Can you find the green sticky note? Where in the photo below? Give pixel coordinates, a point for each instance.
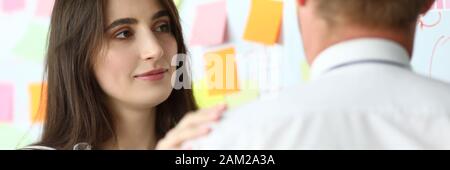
(305, 70)
(177, 2)
(33, 44)
(12, 138)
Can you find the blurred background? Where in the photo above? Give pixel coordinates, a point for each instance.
(260, 37)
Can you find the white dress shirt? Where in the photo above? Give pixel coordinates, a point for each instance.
(363, 95)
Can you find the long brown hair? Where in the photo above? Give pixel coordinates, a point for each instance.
(76, 109)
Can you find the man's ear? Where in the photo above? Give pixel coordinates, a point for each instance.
(427, 7)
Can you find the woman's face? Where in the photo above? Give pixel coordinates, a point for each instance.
(134, 68)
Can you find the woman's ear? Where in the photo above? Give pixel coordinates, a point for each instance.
(426, 7)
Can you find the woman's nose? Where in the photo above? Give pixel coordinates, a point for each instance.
(151, 48)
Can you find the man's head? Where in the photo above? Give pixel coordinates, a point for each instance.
(327, 22)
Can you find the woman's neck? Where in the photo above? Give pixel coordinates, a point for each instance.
(134, 129)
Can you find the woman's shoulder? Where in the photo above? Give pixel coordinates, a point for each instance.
(79, 146)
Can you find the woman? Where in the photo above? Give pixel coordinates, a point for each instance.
(109, 78)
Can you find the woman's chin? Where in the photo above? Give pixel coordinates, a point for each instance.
(152, 100)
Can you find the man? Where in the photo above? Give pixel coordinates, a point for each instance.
(363, 93)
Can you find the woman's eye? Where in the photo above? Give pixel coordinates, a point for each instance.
(163, 28)
(124, 34)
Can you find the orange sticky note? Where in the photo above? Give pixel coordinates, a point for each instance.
(221, 72)
(6, 102)
(38, 96)
(210, 24)
(44, 8)
(264, 22)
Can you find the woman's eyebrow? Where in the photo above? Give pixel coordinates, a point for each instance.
(159, 14)
(122, 21)
(125, 21)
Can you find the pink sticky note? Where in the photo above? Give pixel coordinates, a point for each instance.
(210, 24)
(13, 5)
(6, 102)
(447, 4)
(44, 8)
(440, 4)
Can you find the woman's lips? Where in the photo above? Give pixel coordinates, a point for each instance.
(154, 75)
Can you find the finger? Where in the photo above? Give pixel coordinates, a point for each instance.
(186, 146)
(203, 116)
(188, 127)
(176, 139)
(218, 108)
(168, 142)
(193, 133)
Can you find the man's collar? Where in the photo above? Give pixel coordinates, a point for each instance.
(357, 50)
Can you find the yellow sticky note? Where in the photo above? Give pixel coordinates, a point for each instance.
(221, 72)
(264, 22)
(38, 96)
(202, 97)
